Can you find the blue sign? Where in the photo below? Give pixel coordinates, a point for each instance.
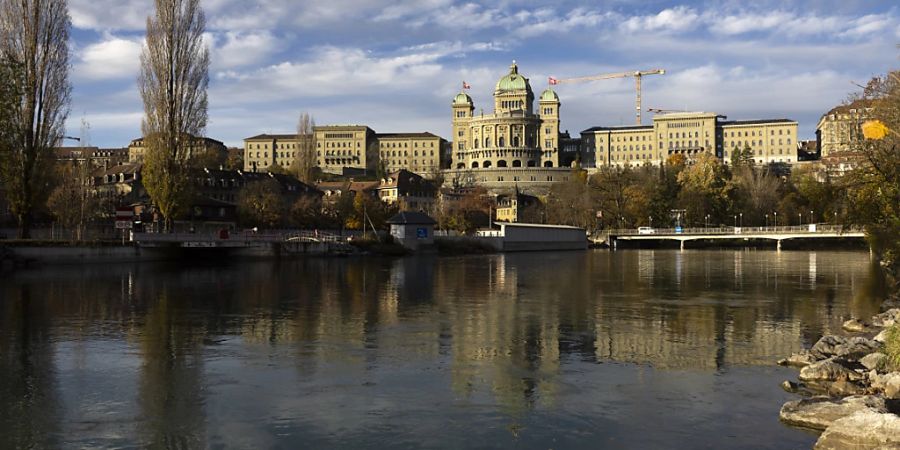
(678, 229)
(422, 233)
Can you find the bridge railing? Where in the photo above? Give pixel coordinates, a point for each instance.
(239, 236)
(793, 229)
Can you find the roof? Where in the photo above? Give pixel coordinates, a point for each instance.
(856, 104)
(513, 81)
(754, 122)
(138, 142)
(355, 186)
(620, 128)
(536, 225)
(549, 95)
(267, 137)
(424, 134)
(411, 218)
(462, 98)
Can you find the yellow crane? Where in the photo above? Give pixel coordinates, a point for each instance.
(638, 74)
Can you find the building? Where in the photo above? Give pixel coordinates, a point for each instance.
(415, 152)
(101, 158)
(518, 207)
(512, 146)
(342, 147)
(410, 190)
(211, 150)
(412, 229)
(265, 150)
(689, 134)
(841, 128)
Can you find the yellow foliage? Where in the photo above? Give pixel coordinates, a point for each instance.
(874, 129)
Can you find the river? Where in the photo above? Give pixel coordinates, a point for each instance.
(637, 349)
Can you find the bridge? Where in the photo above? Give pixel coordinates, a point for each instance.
(777, 234)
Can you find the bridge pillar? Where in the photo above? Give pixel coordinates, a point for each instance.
(778, 246)
(682, 245)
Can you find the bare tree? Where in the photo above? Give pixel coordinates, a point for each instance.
(173, 81)
(306, 162)
(34, 45)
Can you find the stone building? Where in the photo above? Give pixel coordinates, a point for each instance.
(690, 134)
(100, 158)
(840, 128)
(407, 189)
(416, 152)
(512, 146)
(199, 146)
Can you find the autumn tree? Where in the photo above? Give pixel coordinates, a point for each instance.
(173, 81)
(572, 202)
(34, 54)
(71, 201)
(704, 191)
(305, 163)
(756, 191)
(306, 212)
(260, 203)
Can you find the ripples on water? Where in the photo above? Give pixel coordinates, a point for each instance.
(630, 349)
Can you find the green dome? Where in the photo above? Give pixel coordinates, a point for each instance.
(513, 81)
(549, 95)
(462, 98)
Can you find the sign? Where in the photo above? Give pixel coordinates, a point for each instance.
(124, 212)
(422, 233)
(679, 229)
(124, 224)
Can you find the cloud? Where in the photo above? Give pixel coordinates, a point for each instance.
(110, 14)
(676, 19)
(233, 49)
(111, 58)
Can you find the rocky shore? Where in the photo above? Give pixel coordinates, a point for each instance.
(851, 387)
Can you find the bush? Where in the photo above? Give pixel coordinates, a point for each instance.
(892, 346)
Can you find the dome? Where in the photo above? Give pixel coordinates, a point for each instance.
(513, 81)
(549, 95)
(462, 98)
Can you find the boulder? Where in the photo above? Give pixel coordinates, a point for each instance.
(886, 318)
(854, 347)
(800, 359)
(880, 336)
(890, 383)
(829, 370)
(872, 360)
(820, 412)
(890, 303)
(864, 429)
(855, 326)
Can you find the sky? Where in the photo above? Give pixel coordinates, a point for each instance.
(395, 65)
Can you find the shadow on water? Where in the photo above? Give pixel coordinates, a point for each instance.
(539, 349)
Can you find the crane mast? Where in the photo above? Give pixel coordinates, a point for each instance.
(638, 74)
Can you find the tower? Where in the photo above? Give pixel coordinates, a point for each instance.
(463, 108)
(549, 132)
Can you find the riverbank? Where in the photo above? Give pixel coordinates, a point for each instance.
(851, 383)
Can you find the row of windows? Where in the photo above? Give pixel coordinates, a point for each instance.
(759, 142)
(753, 133)
(338, 135)
(406, 144)
(405, 153)
(337, 144)
(512, 104)
(683, 125)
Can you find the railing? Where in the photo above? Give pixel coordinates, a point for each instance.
(812, 229)
(241, 236)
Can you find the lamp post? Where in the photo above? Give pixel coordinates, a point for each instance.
(651, 221)
(776, 219)
(706, 223)
(800, 218)
(810, 216)
(767, 221)
(735, 220)
(742, 220)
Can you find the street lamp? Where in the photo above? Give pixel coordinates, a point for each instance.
(810, 216)
(776, 219)
(651, 221)
(800, 218)
(706, 224)
(742, 220)
(735, 220)
(767, 221)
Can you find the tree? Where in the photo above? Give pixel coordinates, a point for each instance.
(703, 189)
(306, 212)
(306, 161)
(756, 191)
(34, 48)
(173, 81)
(742, 157)
(71, 202)
(260, 203)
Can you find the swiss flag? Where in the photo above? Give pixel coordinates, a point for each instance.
(552, 81)
(466, 85)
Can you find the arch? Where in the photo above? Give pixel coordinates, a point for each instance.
(487, 142)
(501, 142)
(461, 166)
(548, 163)
(501, 163)
(515, 141)
(475, 164)
(532, 163)
(517, 163)
(486, 165)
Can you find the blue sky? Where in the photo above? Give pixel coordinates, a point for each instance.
(396, 65)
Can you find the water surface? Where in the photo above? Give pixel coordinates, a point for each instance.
(632, 349)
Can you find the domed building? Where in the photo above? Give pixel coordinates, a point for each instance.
(506, 148)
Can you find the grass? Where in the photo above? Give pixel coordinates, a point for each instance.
(892, 346)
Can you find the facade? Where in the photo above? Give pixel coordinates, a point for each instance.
(516, 206)
(265, 150)
(410, 190)
(101, 158)
(513, 146)
(216, 150)
(340, 147)
(840, 128)
(415, 152)
(690, 134)
(412, 229)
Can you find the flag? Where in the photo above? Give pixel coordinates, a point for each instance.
(466, 85)
(552, 81)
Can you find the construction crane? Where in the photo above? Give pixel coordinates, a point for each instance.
(664, 111)
(638, 74)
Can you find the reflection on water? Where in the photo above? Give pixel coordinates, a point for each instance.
(539, 350)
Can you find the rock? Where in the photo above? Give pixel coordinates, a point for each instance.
(843, 388)
(891, 384)
(790, 386)
(864, 429)
(855, 326)
(829, 370)
(820, 412)
(880, 336)
(853, 347)
(800, 359)
(890, 303)
(872, 360)
(886, 318)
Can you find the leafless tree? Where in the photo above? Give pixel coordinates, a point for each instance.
(173, 81)
(34, 46)
(306, 161)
